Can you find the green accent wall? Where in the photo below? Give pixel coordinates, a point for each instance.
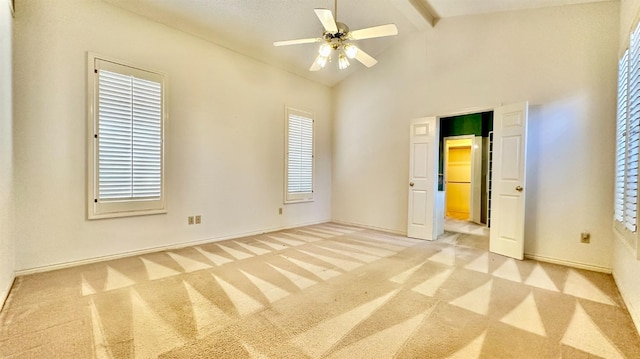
(478, 124)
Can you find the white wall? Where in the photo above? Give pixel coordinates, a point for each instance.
(626, 268)
(225, 135)
(6, 154)
(562, 60)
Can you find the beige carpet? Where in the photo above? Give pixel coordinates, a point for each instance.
(321, 291)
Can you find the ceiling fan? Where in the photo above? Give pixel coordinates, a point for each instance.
(337, 37)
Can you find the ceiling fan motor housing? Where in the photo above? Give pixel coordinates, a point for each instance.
(343, 31)
(336, 39)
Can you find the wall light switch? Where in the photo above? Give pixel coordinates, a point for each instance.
(190, 219)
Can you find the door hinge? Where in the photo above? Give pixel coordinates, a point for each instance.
(95, 200)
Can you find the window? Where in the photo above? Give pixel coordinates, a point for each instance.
(621, 139)
(298, 156)
(126, 130)
(628, 143)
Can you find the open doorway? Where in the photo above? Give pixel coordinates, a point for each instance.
(503, 183)
(464, 172)
(458, 154)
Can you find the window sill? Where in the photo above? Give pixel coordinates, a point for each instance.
(294, 201)
(93, 216)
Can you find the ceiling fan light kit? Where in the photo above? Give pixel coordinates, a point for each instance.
(350, 50)
(337, 37)
(321, 61)
(343, 63)
(325, 50)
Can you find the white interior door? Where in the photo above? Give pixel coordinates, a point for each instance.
(508, 180)
(423, 184)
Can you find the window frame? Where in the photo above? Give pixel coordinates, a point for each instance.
(97, 209)
(298, 197)
(629, 60)
(622, 144)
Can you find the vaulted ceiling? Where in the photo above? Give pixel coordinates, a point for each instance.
(251, 26)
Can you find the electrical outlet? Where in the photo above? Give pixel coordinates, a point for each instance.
(190, 219)
(585, 237)
(280, 210)
(198, 219)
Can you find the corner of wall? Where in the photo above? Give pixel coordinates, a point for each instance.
(7, 199)
(626, 270)
(4, 294)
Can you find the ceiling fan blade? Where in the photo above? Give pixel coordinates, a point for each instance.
(297, 41)
(326, 18)
(365, 58)
(376, 31)
(316, 65)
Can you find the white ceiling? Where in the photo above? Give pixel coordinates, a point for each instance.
(451, 8)
(250, 26)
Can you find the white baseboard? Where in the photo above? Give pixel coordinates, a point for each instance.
(4, 294)
(567, 263)
(381, 229)
(69, 264)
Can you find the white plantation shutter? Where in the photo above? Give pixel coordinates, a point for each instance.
(128, 141)
(621, 136)
(633, 135)
(115, 130)
(147, 138)
(299, 156)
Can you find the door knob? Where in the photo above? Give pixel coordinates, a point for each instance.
(519, 188)
(411, 184)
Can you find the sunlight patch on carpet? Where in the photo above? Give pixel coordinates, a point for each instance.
(480, 264)
(385, 343)
(579, 286)
(253, 249)
(476, 300)
(584, 334)
(509, 271)
(100, 345)
(158, 271)
(235, 253)
(319, 339)
(539, 278)
(151, 334)
(526, 317)
(300, 281)
(208, 317)
(116, 280)
(218, 260)
(324, 273)
(188, 264)
(430, 286)
(340, 263)
(271, 291)
(446, 256)
(471, 350)
(244, 303)
(404, 276)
